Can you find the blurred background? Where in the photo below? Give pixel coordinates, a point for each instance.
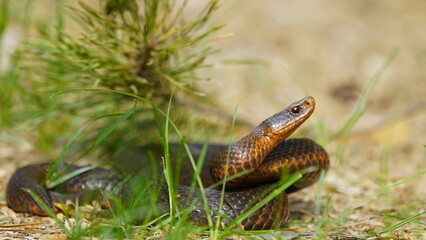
(342, 53)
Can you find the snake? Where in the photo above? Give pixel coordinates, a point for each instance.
(249, 170)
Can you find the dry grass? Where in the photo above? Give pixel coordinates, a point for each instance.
(332, 49)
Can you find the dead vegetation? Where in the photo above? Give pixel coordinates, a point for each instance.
(283, 50)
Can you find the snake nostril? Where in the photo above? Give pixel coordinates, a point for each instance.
(309, 102)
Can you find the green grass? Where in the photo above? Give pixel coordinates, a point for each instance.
(387, 187)
(114, 50)
(90, 82)
(123, 217)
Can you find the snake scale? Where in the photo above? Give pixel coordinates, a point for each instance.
(264, 153)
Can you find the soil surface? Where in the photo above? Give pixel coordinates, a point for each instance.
(284, 50)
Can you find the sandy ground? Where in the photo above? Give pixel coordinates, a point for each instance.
(330, 50)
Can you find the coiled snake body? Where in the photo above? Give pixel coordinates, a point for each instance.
(264, 154)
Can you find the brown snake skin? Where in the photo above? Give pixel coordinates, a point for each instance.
(264, 153)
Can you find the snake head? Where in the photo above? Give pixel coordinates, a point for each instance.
(284, 123)
(249, 152)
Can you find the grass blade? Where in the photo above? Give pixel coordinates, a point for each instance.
(225, 179)
(109, 130)
(363, 100)
(49, 211)
(168, 173)
(54, 180)
(400, 224)
(100, 91)
(320, 233)
(319, 191)
(66, 177)
(68, 145)
(283, 185)
(4, 18)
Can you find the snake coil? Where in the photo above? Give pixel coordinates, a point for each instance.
(264, 154)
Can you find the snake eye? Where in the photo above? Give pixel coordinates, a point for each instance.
(295, 109)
